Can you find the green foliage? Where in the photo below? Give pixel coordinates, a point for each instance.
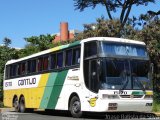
(112, 6)
(106, 28)
(156, 106)
(6, 53)
(36, 44)
(7, 41)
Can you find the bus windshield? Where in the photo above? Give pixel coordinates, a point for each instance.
(108, 48)
(122, 74)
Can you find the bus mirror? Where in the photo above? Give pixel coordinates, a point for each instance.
(99, 63)
(152, 68)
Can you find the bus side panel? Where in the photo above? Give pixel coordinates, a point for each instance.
(33, 96)
(7, 98)
(53, 89)
(72, 84)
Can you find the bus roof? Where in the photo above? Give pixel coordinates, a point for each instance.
(113, 39)
(110, 39)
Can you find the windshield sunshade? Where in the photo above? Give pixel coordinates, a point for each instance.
(123, 49)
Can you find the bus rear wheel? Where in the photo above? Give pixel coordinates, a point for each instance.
(22, 105)
(16, 104)
(75, 107)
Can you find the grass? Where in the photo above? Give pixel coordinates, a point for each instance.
(156, 106)
(1, 104)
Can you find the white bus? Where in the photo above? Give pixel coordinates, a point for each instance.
(99, 74)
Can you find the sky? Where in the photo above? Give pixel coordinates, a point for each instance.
(20, 19)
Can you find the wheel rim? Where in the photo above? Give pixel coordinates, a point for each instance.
(76, 107)
(22, 106)
(16, 104)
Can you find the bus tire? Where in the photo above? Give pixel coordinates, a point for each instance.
(16, 104)
(75, 107)
(22, 105)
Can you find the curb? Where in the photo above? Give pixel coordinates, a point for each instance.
(12, 109)
(6, 109)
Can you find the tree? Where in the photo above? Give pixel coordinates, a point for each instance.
(105, 28)
(6, 53)
(36, 44)
(125, 7)
(7, 41)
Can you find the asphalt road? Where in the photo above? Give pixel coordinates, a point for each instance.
(56, 115)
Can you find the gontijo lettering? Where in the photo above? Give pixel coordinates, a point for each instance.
(27, 81)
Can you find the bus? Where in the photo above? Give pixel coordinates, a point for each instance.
(98, 74)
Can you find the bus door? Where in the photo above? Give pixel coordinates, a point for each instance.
(91, 81)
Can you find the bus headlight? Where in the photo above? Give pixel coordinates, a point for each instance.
(148, 97)
(106, 96)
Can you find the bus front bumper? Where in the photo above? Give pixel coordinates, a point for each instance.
(126, 105)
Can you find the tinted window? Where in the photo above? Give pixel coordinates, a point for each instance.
(45, 63)
(33, 68)
(90, 49)
(114, 68)
(13, 70)
(7, 74)
(76, 56)
(23, 68)
(29, 67)
(60, 60)
(69, 57)
(53, 61)
(19, 69)
(40, 64)
(140, 68)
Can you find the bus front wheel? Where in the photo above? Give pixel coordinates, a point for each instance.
(75, 107)
(22, 105)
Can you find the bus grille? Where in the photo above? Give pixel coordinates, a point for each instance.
(131, 96)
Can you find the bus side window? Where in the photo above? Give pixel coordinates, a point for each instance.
(45, 63)
(90, 49)
(19, 69)
(23, 67)
(13, 70)
(68, 61)
(33, 66)
(7, 73)
(29, 66)
(60, 60)
(76, 56)
(40, 64)
(53, 61)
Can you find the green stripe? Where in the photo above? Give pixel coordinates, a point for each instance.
(70, 45)
(56, 90)
(48, 90)
(64, 46)
(137, 93)
(74, 43)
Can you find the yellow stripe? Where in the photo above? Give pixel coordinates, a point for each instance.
(55, 49)
(33, 96)
(149, 92)
(41, 88)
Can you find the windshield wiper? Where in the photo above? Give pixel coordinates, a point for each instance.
(134, 76)
(125, 74)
